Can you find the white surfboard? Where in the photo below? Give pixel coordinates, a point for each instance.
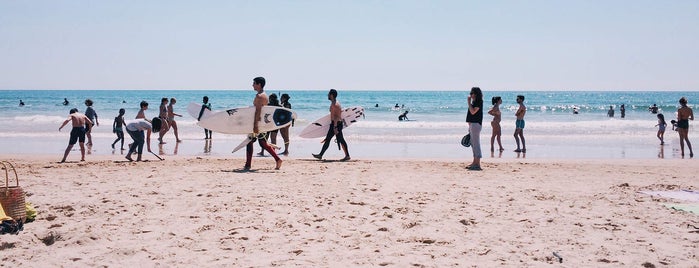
(247, 140)
(195, 108)
(320, 127)
(240, 120)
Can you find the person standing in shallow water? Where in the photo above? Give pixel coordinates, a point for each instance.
(335, 127)
(519, 124)
(684, 114)
(474, 117)
(497, 130)
(92, 115)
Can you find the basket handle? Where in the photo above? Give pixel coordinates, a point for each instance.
(7, 176)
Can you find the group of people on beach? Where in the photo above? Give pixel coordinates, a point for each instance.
(474, 118)
(141, 128)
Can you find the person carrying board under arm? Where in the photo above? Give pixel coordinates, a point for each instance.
(335, 127)
(260, 100)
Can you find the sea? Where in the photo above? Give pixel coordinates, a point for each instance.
(434, 129)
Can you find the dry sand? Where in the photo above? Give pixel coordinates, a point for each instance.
(396, 213)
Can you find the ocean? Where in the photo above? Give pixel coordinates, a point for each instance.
(437, 122)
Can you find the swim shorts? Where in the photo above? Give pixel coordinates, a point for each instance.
(78, 133)
(519, 123)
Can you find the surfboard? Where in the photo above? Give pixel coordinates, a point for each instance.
(194, 108)
(320, 127)
(240, 120)
(248, 139)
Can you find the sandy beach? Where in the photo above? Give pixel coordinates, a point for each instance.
(188, 211)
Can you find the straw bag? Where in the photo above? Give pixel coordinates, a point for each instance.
(12, 197)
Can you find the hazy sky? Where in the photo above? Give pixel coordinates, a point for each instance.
(442, 45)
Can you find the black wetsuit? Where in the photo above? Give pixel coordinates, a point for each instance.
(331, 133)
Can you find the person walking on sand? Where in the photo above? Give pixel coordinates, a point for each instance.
(684, 114)
(260, 100)
(519, 124)
(171, 118)
(208, 134)
(118, 128)
(661, 128)
(474, 118)
(79, 121)
(497, 117)
(163, 118)
(285, 130)
(92, 115)
(272, 135)
(335, 127)
(142, 112)
(137, 130)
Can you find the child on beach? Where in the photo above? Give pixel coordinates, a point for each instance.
(79, 121)
(207, 105)
(117, 128)
(92, 115)
(142, 112)
(136, 130)
(519, 124)
(497, 130)
(661, 128)
(171, 118)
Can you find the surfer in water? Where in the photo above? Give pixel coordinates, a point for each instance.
(403, 116)
(335, 127)
(260, 100)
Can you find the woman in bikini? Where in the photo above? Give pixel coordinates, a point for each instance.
(684, 114)
(497, 131)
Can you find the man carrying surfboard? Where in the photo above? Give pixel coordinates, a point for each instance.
(260, 100)
(335, 127)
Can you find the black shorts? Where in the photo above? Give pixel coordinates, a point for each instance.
(78, 133)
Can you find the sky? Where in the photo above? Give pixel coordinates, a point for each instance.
(360, 45)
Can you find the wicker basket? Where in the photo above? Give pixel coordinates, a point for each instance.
(12, 197)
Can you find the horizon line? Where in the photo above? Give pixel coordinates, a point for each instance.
(276, 89)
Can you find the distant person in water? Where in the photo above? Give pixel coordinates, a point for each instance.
(661, 128)
(335, 127)
(142, 112)
(118, 128)
(497, 117)
(77, 134)
(576, 110)
(65, 102)
(92, 115)
(403, 116)
(653, 109)
(622, 109)
(519, 124)
(610, 113)
(206, 106)
(21, 103)
(684, 114)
